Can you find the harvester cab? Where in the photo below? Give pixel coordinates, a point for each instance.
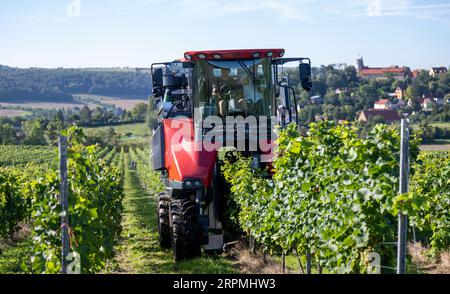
(207, 102)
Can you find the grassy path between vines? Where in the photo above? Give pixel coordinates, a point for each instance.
(139, 251)
(13, 255)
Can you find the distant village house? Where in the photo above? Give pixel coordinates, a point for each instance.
(399, 92)
(429, 103)
(435, 71)
(388, 115)
(382, 109)
(383, 104)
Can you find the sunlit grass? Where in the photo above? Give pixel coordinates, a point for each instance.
(139, 251)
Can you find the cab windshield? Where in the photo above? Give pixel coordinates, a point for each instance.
(234, 87)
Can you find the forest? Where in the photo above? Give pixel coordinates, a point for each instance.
(58, 85)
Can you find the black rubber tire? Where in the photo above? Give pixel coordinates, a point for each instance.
(186, 230)
(164, 238)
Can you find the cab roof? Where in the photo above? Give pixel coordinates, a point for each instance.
(232, 54)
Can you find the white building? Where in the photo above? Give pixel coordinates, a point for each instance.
(383, 104)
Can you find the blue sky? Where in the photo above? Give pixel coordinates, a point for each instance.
(53, 33)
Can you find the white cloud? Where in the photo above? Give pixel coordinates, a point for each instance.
(389, 8)
(278, 10)
(74, 8)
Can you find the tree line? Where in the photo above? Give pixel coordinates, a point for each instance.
(58, 85)
(43, 127)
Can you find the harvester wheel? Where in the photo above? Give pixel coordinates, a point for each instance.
(163, 221)
(186, 230)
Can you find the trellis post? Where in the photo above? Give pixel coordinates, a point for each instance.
(404, 182)
(64, 201)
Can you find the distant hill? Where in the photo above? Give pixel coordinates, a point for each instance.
(58, 85)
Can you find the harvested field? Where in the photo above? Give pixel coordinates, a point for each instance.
(437, 147)
(46, 105)
(123, 102)
(127, 104)
(12, 112)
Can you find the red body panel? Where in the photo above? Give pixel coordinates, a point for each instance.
(182, 159)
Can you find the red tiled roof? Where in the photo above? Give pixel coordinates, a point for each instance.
(387, 114)
(382, 101)
(416, 72)
(382, 70)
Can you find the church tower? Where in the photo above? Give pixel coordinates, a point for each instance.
(359, 64)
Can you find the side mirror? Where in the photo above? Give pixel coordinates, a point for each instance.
(305, 76)
(174, 82)
(157, 81)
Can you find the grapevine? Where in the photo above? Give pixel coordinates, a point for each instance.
(332, 194)
(95, 206)
(429, 202)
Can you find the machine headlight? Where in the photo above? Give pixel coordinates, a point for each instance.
(192, 184)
